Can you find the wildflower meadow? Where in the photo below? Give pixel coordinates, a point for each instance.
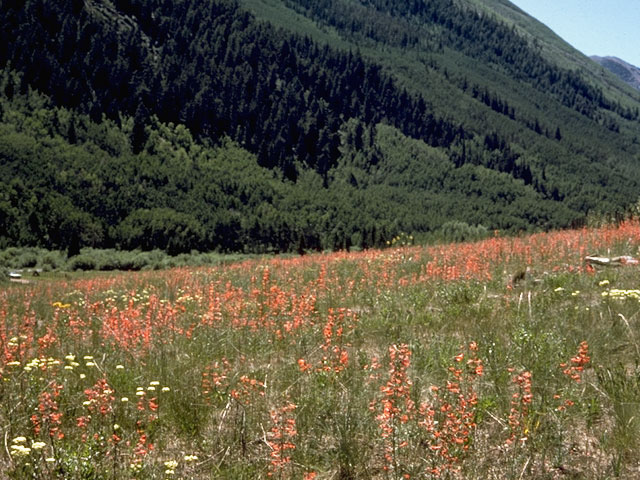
(505, 358)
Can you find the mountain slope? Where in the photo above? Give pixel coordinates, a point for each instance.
(556, 49)
(336, 101)
(628, 73)
(448, 56)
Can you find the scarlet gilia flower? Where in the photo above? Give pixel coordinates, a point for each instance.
(574, 370)
(303, 365)
(336, 356)
(281, 437)
(215, 378)
(396, 406)
(575, 367)
(48, 417)
(246, 389)
(519, 412)
(153, 404)
(100, 397)
(143, 445)
(449, 418)
(82, 422)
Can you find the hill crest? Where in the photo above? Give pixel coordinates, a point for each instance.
(628, 73)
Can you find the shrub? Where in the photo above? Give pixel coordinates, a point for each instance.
(52, 260)
(83, 261)
(456, 231)
(28, 259)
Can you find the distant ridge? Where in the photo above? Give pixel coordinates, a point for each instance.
(628, 73)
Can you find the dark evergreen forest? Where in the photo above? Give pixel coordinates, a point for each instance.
(212, 67)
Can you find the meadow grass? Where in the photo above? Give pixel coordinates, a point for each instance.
(409, 362)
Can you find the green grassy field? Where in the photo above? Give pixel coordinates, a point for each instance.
(451, 361)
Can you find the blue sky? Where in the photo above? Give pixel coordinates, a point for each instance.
(595, 27)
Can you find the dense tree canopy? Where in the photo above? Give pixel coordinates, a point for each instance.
(193, 125)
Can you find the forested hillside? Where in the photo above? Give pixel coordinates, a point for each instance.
(292, 125)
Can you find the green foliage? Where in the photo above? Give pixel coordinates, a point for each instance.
(83, 261)
(462, 232)
(35, 260)
(450, 75)
(178, 195)
(621, 385)
(350, 124)
(162, 228)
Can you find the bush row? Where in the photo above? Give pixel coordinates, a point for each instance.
(40, 259)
